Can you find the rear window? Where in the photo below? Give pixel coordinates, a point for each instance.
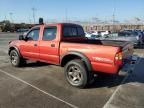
(72, 31)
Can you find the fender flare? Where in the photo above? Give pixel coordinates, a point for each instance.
(15, 48)
(81, 55)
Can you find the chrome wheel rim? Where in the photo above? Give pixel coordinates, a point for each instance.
(14, 58)
(74, 74)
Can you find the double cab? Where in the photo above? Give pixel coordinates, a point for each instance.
(65, 44)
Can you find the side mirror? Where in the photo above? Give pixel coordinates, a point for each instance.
(21, 37)
(28, 38)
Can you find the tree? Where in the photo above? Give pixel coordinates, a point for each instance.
(7, 26)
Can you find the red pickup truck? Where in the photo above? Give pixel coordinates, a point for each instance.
(65, 44)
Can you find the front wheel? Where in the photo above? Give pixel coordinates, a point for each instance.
(15, 59)
(76, 73)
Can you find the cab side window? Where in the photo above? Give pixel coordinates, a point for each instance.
(72, 31)
(49, 33)
(80, 31)
(33, 35)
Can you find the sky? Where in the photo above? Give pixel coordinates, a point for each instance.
(21, 10)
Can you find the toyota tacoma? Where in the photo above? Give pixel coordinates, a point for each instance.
(65, 44)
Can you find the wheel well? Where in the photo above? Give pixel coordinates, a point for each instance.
(68, 58)
(14, 48)
(10, 49)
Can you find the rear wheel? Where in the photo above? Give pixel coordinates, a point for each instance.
(15, 59)
(76, 73)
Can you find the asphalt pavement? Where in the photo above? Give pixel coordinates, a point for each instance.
(131, 92)
(40, 85)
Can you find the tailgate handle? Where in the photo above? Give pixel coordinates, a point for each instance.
(52, 45)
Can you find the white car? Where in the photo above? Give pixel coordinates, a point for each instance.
(91, 36)
(96, 33)
(88, 35)
(102, 33)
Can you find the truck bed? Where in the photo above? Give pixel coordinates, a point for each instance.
(114, 43)
(109, 43)
(126, 47)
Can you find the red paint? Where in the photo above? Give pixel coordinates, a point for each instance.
(105, 55)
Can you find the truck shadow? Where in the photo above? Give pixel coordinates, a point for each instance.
(35, 64)
(106, 80)
(102, 80)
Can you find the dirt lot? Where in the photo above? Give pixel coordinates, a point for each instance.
(43, 85)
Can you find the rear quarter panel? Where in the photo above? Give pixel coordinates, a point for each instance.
(101, 57)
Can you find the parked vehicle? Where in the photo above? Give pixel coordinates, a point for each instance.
(139, 35)
(128, 30)
(102, 33)
(88, 35)
(65, 45)
(92, 36)
(95, 37)
(141, 38)
(22, 30)
(124, 36)
(96, 33)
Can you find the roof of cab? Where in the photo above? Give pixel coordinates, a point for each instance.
(55, 24)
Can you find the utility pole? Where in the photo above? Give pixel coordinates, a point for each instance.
(34, 10)
(113, 19)
(11, 15)
(29, 19)
(5, 18)
(66, 15)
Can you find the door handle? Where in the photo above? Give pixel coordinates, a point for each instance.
(52, 45)
(35, 44)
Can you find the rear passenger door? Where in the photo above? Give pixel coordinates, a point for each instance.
(49, 45)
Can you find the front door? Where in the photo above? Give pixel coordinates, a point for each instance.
(30, 47)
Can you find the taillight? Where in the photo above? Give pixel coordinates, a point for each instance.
(118, 58)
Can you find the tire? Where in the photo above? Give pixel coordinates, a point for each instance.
(76, 73)
(15, 59)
